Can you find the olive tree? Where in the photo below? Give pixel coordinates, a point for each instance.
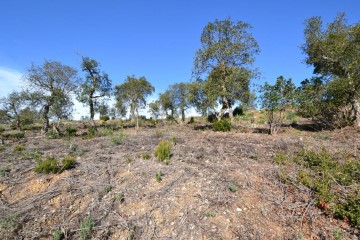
(132, 94)
(333, 51)
(95, 87)
(51, 82)
(226, 56)
(12, 105)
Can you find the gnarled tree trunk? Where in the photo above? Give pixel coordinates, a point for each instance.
(46, 124)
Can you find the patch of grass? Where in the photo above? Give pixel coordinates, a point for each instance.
(2, 149)
(120, 197)
(221, 126)
(9, 222)
(51, 165)
(70, 131)
(129, 160)
(158, 176)
(58, 235)
(118, 138)
(163, 151)
(209, 214)
(145, 156)
(19, 148)
(108, 188)
(90, 133)
(85, 228)
(105, 132)
(52, 134)
(233, 187)
(281, 158)
(159, 133)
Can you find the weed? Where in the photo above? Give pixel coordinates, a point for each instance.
(19, 135)
(4, 171)
(105, 132)
(163, 151)
(280, 158)
(52, 134)
(58, 235)
(209, 214)
(158, 133)
(90, 133)
(145, 156)
(86, 227)
(158, 176)
(51, 165)
(2, 149)
(104, 118)
(120, 197)
(67, 163)
(222, 126)
(129, 160)
(108, 188)
(10, 222)
(19, 148)
(118, 138)
(233, 187)
(70, 131)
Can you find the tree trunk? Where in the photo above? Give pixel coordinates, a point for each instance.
(183, 115)
(230, 112)
(137, 120)
(356, 106)
(92, 111)
(18, 122)
(46, 125)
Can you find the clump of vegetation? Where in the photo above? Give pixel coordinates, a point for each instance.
(9, 222)
(104, 118)
(52, 134)
(70, 131)
(51, 165)
(233, 187)
(158, 176)
(209, 214)
(120, 197)
(108, 188)
(2, 148)
(19, 148)
(105, 132)
(118, 138)
(222, 126)
(129, 160)
(163, 151)
(328, 178)
(85, 228)
(58, 235)
(90, 133)
(145, 156)
(192, 120)
(4, 171)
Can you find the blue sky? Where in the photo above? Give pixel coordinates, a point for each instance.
(156, 39)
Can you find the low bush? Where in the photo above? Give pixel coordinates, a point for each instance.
(163, 151)
(67, 163)
(4, 171)
(52, 165)
(104, 118)
(85, 228)
(158, 176)
(19, 148)
(52, 134)
(222, 126)
(117, 138)
(70, 131)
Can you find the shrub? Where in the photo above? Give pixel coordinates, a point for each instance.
(158, 176)
(146, 156)
(105, 132)
(104, 118)
(238, 111)
(70, 131)
(4, 171)
(118, 138)
(53, 134)
(2, 148)
(91, 132)
(108, 188)
(209, 214)
(67, 163)
(163, 151)
(192, 120)
(58, 235)
(86, 227)
(233, 187)
(49, 165)
(211, 118)
(19, 148)
(120, 197)
(222, 126)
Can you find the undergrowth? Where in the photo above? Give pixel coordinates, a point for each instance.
(163, 151)
(52, 165)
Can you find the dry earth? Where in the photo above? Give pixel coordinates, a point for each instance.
(193, 200)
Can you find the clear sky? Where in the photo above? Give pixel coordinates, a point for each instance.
(156, 39)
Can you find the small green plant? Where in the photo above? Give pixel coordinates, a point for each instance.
(19, 148)
(85, 228)
(52, 134)
(120, 197)
(118, 138)
(19, 135)
(70, 131)
(158, 176)
(4, 171)
(2, 149)
(163, 151)
(67, 163)
(90, 133)
(192, 120)
(108, 188)
(51, 165)
(233, 187)
(209, 214)
(145, 156)
(159, 133)
(129, 160)
(58, 235)
(221, 126)
(104, 118)
(281, 158)
(9, 222)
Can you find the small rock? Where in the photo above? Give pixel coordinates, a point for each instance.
(238, 209)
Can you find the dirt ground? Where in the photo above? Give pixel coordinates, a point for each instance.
(116, 187)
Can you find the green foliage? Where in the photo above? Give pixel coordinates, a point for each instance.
(281, 158)
(58, 235)
(209, 214)
(117, 138)
(158, 176)
(120, 197)
(9, 222)
(18, 135)
(2, 149)
(70, 131)
(85, 228)
(105, 132)
(4, 171)
(104, 118)
(222, 126)
(53, 134)
(145, 156)
(108, 188)
(233, 187)
(323, 174)
(90, 133)
(19, 148)
(163, 151)
(51, 165)
(192, 120)
(276, 99)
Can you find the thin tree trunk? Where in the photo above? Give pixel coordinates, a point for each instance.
(230, 112)
(137, 120)
(46, 124)
(92, 111)
(183, 115)
(18, 122)
(356, 106)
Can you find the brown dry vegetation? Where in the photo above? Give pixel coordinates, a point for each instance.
(193, 200)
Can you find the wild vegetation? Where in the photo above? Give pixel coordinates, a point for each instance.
(288, 170)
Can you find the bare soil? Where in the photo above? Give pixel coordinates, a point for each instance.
(193, 200)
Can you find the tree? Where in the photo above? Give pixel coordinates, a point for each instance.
(52, 82)
(155, 108)
(132, 93)
(276, 99)
(182, 99)
(334, 53)
(96, 86)
(12, 106)
(228, 50)
(168, 104)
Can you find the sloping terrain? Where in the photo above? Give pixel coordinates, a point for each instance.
(216, 186)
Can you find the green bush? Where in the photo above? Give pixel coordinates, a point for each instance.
(70, 131)
(108, 188)
(163, 151)
(158, 176)
(192, 120)
(233, 187)
(68, 163)
(104, 118)
(85, 228)
(145, 156)
(91, 132)
(118, 138)
(52, 134)
(58, 235)
(222, 126)
(51, 165)
(19, 148)
(4, 171)
(105, 132)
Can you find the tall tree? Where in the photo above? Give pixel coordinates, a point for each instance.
(51, 82)
(227, 53)
(155, 108)
(12, 105)
(334, 53)
(132, 93)
(182, 98)
(168, 105)
(96, 86)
